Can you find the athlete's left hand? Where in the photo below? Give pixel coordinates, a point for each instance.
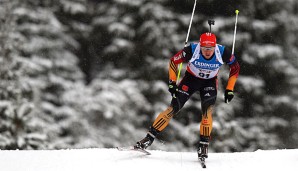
(229, 94)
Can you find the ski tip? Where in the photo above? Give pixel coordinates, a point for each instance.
(237, 11)
(202, 161)
(143, 151)
(125, 148)
(133, 148)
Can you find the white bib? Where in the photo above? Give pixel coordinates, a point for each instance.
(202, 68)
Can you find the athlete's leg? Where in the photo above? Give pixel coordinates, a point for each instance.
(208, 95)
(163, 119)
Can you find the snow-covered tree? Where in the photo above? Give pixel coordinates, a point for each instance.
(18, 128)
(39, 70)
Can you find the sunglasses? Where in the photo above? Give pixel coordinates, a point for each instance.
(208, 48)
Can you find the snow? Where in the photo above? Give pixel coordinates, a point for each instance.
(101, 159)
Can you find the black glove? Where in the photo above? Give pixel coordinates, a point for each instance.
(172, 88)
(229, 94)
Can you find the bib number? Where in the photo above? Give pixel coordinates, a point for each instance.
(204, 75)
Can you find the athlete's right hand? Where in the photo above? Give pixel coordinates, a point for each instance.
(173, 88)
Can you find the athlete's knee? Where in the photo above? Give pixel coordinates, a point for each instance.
(208, 103)
(176, 105)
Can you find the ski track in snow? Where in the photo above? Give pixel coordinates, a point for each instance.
(112, 159)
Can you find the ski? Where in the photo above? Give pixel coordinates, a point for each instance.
(202, 161)
(133, 148)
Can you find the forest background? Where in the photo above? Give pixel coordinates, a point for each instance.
(94, 73)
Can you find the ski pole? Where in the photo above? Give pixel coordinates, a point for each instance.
(234, 39)
(186, 40)
(193, 11)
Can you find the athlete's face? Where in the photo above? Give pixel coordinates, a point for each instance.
(207, 52)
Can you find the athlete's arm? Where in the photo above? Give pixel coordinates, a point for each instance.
(234, 68)
(183, 55)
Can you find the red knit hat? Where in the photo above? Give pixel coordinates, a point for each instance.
(208, 39)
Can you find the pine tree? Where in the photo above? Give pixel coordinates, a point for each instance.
(17, 126)
(43, 68)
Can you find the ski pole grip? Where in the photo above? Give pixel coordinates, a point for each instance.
(237, 12)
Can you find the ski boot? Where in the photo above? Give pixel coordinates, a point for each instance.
(148, 140)
(203, 147)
